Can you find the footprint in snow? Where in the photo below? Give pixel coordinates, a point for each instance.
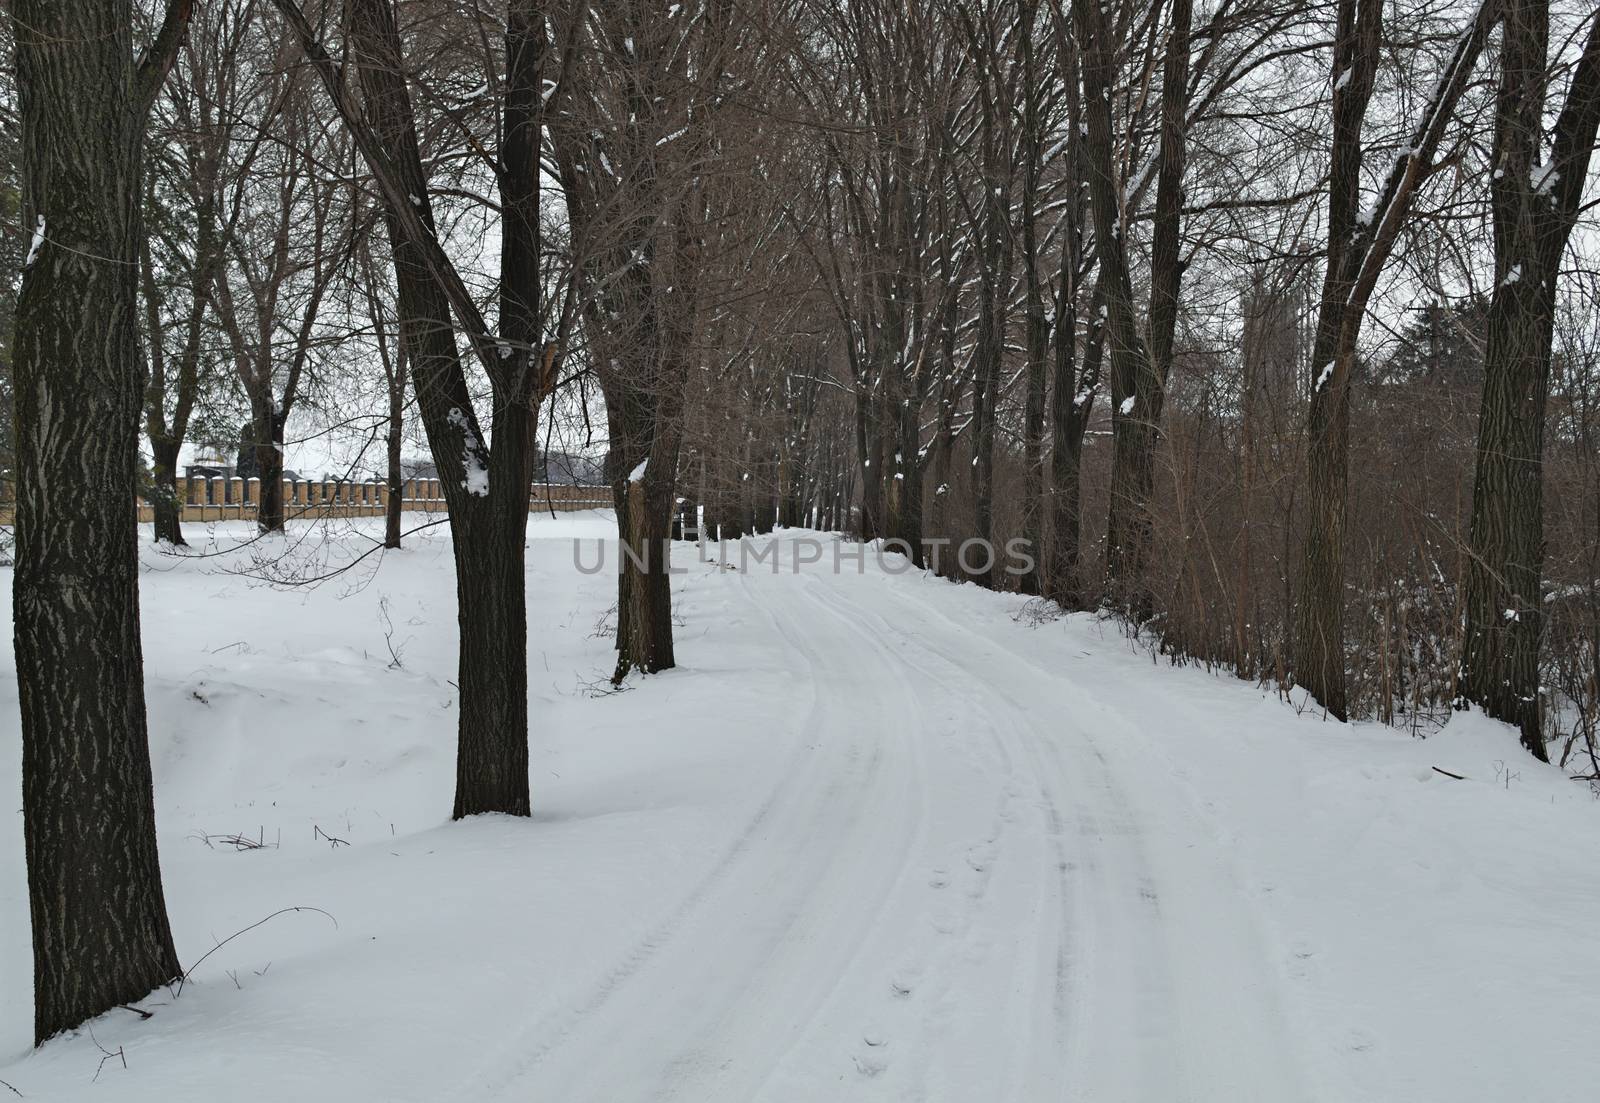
(1300, 954)
(872, 1061)
(870, 1065)
(1358, 1040)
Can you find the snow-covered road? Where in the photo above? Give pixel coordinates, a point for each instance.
(877, 839)
(950, 884)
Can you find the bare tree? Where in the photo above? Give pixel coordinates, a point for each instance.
(1536, 193)
(291, 229)
(100, 931)
(486, 488)
(1359, 243)
(194, 127)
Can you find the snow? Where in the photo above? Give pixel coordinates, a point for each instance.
(36, 244)
(1128, 405)
(877, 838)
(637, 474)
(476, 475)
(474, 469)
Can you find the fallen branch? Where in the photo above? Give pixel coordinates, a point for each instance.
(1447, 773)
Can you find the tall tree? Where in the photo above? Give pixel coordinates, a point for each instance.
(991, 226)
(1035, 325)
(1359, 243)
(193, 129)
(100, 931)
(1535, 196)
(633, 143)
(290, 230)
(1141, 360)
(486, 488)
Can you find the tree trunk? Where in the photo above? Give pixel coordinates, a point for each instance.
(1319, 610)
(1033, 494)
(908, 476)
(644, 586)
(100, 931)
(1139, 371)
(396, 503)
(492, 604)
(1071, 396)
(1072, 404)
(1534, 210)
(1127, 518)
(268, 429)
(1319, 620)
(986, 357)
(486, 493)
(164, 503)
(1036, 328)
(869, 448)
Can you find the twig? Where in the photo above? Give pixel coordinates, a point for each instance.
(106, 1056)
(189, 972)
(1447, 773)
(317, 832)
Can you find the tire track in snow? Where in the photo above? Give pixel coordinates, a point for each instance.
(982, 1037)
(1218, 1023)
(705, 1005)
(948, 894)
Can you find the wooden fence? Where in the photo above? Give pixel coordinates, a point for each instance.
(224, 499)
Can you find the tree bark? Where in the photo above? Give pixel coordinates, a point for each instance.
(1357, 250)
(1319, 610)
(268, 429)
(395, 503)
(1036, 328)
(100, 931)
(486, 493)
(1139, 370)
(167, 510)
(869, 447)
(1535, 207)
(1072, 404)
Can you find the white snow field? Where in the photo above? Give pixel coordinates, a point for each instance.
(876, 839)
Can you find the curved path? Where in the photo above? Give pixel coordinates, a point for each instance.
(953, 892)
